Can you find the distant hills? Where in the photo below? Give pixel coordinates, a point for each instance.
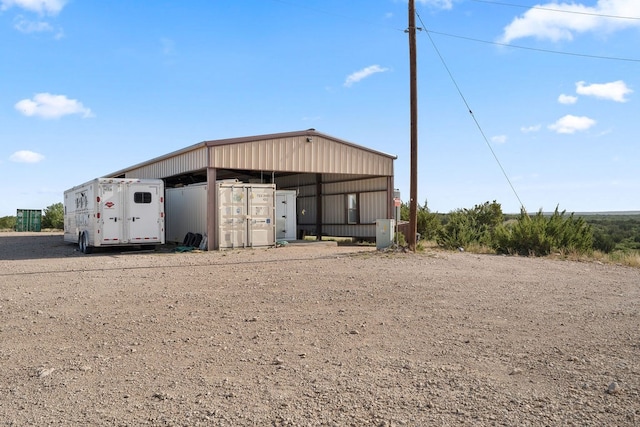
(608, 213)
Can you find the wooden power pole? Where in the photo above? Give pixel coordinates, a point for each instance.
(413, 191)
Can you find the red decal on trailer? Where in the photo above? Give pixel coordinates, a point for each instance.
(109, 204)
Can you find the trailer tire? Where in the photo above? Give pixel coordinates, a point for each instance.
(187, 239)
(197, 240)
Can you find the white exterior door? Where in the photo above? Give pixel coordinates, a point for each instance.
(286, 215)
(113, 214)
(143, 213)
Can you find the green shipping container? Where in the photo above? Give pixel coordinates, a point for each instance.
(28, 220)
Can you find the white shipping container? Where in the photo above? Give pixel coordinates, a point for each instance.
(186, 211)
(246, 215)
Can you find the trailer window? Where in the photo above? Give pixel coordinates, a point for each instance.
(141, 197)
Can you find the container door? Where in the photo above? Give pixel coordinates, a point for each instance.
(260, 222)
(144, 204)
(232, 216)
(111, 211)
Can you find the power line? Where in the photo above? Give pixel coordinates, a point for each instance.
(600, 15)
(484, 136)
(584, 55)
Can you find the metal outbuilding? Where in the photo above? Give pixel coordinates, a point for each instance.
(341, 188)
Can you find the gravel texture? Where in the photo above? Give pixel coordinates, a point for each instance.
(313, 334)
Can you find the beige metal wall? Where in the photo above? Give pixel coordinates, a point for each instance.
(286, 154)
(188, 161)
(295, 154)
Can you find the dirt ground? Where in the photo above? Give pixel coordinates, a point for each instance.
(313, 334)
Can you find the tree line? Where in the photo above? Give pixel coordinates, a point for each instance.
(52, 218)
(536, 234)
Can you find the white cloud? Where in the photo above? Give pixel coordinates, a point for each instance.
(362, 74)
(51, 7)
(563, 20)
(567, 99)
(50, 106)
(499, 139)
(25, 156)
(440, 4)
(529, 129)
(614, 91)
(27, 26)
(571, 124)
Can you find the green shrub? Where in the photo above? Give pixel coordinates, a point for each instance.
(428, 223)
(471, 226)
(8, 223)
(399, 237)
(541, 235)
(53, 216)
(603, 242)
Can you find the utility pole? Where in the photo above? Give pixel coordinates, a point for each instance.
(413, 191)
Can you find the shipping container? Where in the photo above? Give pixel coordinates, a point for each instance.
(186, 209)
(246, 215)
(28, 220)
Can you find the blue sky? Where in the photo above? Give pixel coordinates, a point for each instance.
(88, 88)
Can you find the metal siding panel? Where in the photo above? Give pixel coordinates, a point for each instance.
(184, 162)
(333, 209)
(357, 186)
(306, 210)
(296, 155)
(373, 206)
(363, 231)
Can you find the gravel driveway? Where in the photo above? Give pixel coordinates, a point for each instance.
(313, 334)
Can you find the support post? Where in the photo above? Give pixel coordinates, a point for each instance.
(413, 191)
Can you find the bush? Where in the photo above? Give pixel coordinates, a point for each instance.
(53, 216)
(8, 223)
(541, 235)
(603, 242)
(428, 224)
(471, 226)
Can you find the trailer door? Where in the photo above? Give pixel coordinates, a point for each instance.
(111, 208)
(144, 215)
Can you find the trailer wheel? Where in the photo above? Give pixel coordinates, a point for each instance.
(187, 238)
(197, 240)
(84, 243)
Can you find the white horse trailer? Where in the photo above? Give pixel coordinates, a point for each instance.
(115, 212)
